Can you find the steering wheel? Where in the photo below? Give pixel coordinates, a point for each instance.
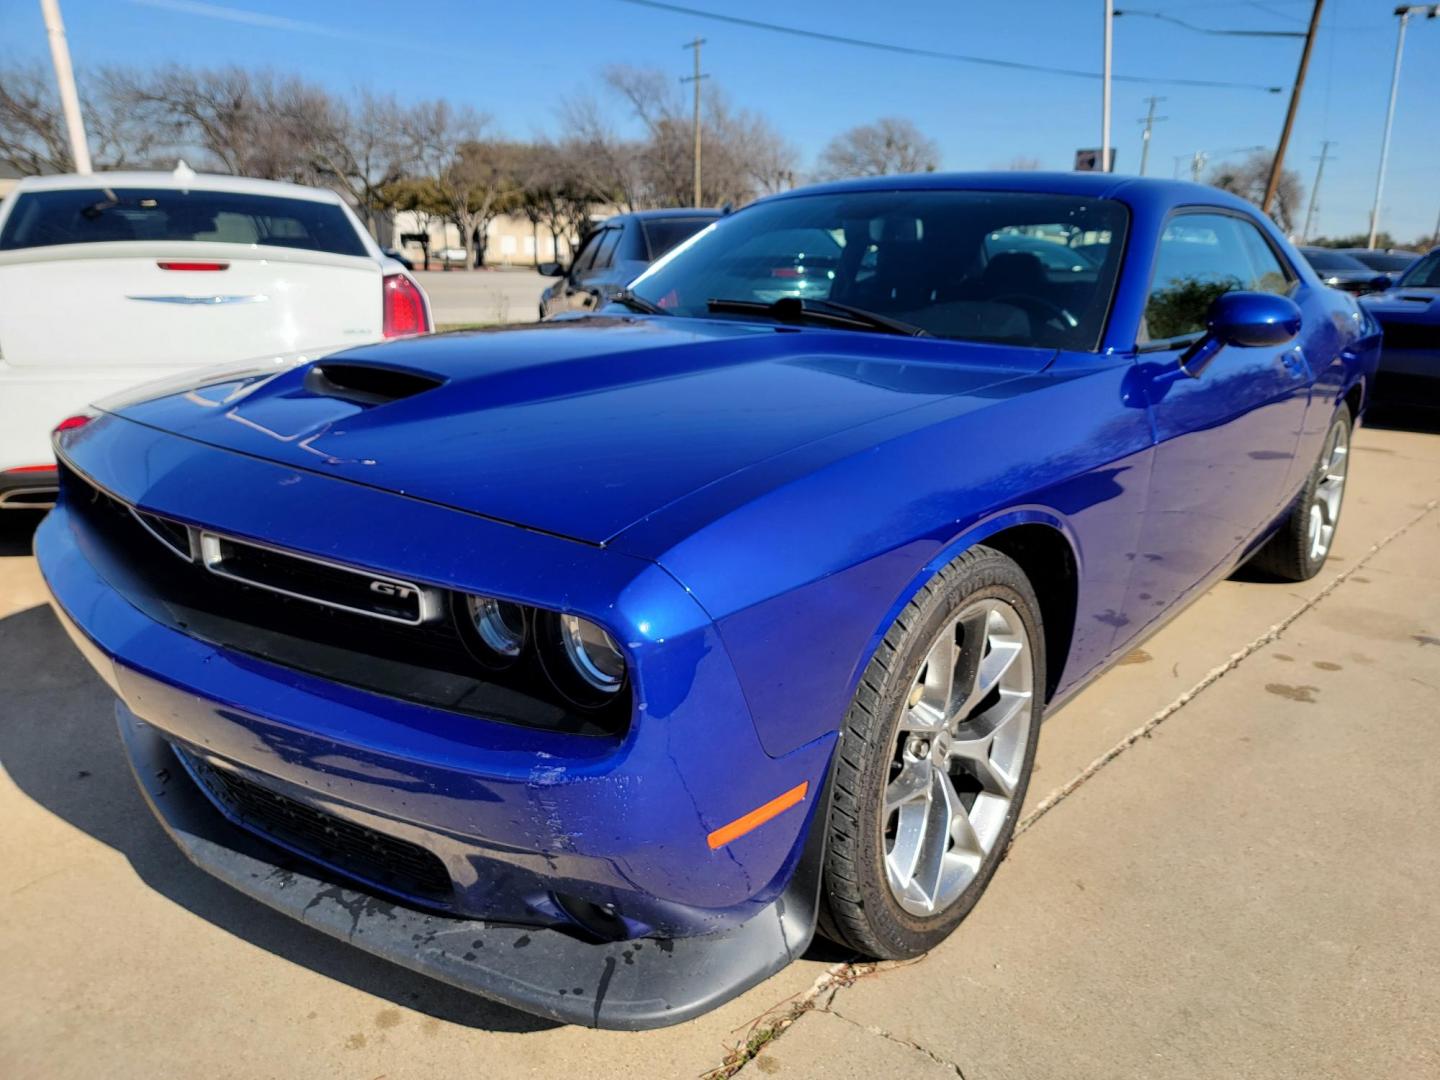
(1036, 305)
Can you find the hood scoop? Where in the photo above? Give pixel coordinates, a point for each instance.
(367, 384)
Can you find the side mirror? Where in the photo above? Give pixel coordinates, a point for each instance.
(1380, 283)
(550, 269)
(1244, 319)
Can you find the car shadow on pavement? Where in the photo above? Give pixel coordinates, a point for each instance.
(59, 744)
(1404, 418)
(17, 531)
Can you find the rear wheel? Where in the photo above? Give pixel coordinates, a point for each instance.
(1301, 545)
(934, 759)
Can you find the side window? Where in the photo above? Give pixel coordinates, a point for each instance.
(1200, 257)
(586, 256)
(605, 253)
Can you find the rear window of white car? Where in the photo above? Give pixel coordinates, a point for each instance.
(109, 215)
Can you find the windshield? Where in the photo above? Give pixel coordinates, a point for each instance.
(1020, 269)
(1425, 274)
(106, 215)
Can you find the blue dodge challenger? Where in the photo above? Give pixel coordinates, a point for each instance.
(592, 666)
(1409, 315)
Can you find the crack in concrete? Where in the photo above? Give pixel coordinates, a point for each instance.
(871, 1029)
(1209, 679)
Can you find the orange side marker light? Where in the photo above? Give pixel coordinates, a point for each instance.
(757, 817)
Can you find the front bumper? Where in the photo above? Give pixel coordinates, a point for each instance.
(522, 820)
(629, 985)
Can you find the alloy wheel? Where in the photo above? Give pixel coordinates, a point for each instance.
(958, 757)
(1329, 492)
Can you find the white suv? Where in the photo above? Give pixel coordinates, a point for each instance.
(116, 278)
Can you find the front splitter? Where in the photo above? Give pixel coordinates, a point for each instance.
(628, 985)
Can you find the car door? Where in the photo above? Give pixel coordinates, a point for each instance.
(1225, 441)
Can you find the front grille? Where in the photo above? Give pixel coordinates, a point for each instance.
(143, 556)
(396, 865)
(318, 580)
(1410, 335)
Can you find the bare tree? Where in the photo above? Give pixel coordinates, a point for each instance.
(32, 128)
(1024, 163)
(553, 194)
(363, 149)
(242, 122)
(890, 145)
(607, 167)
(32, 131)
(1248, 180)
(743, 155)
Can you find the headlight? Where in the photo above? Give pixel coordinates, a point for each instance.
(500, 624)
(593, 652)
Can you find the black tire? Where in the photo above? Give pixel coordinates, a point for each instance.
(858, 909)
(1288, 553)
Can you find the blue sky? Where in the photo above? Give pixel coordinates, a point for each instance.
(518, 61)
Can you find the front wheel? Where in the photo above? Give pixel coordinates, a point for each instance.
(1301, 545)
(934, 759)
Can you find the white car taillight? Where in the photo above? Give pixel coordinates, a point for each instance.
(405, 311)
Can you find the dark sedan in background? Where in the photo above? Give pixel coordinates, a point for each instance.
(1393, 262)
(1409, 313)
(614, 254)
(1345, 272)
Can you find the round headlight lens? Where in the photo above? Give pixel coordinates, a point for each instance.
(500, 624)
(593, 652)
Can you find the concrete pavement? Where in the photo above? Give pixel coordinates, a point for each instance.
(1227, 867)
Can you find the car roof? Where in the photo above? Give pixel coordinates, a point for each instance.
(181, 179)
(1129, 189)
(671, 213)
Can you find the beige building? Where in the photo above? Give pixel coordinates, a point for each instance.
(511, 239)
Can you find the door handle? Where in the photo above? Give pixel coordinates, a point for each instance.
(1294, 361)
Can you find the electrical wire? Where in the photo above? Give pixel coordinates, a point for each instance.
(933, 54)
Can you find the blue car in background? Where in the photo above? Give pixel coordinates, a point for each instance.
(1409, 314)
(592, 665)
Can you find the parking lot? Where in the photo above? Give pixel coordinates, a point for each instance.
(482, 297)
(1226, 867)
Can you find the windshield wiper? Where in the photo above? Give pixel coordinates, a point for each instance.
(637, 303)
(799, 309)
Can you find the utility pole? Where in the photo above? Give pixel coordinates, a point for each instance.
(696, 79)
(1197, 164)
(1105, 89)
(65, 82)
(1277, 164)
(1404, 11)
(1315, 190)
(1150, 121)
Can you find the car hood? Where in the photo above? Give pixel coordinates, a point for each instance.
(575, 427)
(1412, 303)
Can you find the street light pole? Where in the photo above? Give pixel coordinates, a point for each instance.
(1404, 11)
(1277, 164)
(1105, 90)
(65, 82)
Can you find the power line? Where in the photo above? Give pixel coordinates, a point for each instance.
(962, 58)
(1211, 30)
